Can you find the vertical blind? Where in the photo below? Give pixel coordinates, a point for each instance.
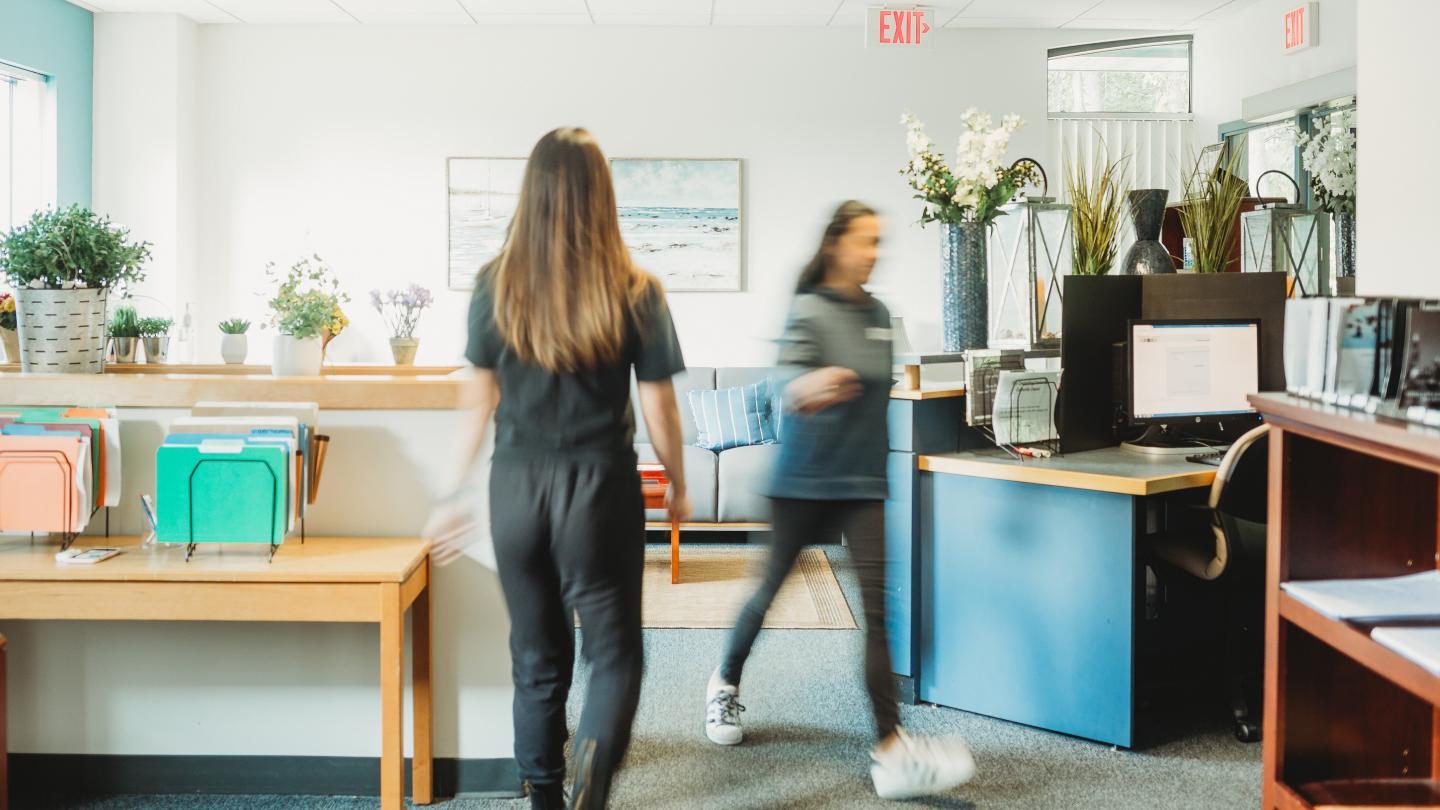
(1161, 152)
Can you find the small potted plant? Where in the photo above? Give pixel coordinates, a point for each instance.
(233, 343)
(155, 334)
(307, 298)
(124, 333)
(9, 338)
(62, 264)
(401, 310)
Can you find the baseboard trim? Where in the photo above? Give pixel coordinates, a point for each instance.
(44, 776)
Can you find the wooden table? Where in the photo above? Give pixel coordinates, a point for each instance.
(654, 492)
(327, 579)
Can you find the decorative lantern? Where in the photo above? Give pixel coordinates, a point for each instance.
(1287, 238)
(1030, 250)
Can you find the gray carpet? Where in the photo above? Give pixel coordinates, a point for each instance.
(808, 733)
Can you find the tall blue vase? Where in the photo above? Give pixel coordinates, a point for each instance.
(964, 289)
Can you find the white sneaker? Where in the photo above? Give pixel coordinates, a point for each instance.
(722, 712)
(921, 766)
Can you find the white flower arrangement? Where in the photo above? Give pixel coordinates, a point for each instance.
(1329, 156)
(978, 184)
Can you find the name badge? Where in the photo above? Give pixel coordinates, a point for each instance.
(879, 333)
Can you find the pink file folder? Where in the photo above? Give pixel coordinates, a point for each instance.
(39, 483)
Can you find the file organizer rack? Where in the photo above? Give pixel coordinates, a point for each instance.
(72, 518)
(275, 530)
(984, 384)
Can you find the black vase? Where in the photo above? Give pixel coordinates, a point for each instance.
(1147, 256)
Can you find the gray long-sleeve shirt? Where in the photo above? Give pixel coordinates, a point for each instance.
(838, 453)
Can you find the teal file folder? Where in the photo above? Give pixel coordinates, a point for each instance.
(221, 491)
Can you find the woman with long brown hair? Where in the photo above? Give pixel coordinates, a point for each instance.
(557, 323)
(830, 478)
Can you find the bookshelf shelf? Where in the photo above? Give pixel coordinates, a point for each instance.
(1348, 721)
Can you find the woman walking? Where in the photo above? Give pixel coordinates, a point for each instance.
(830, 476)
(557, 322)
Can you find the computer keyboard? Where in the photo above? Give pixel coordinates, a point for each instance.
(1213, 459)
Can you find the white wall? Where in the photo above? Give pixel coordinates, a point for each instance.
(333, 140)
(146, 141)
(1241, 55)
(1395, 161)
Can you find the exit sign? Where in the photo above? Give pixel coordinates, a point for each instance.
(898, 27)
(1300, 28)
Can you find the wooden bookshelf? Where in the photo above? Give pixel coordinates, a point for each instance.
(1348, 722)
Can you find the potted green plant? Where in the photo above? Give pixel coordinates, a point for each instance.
(124, 333)
(234, 345)
(401, 310)
(155, 334)
(1097, 195)
(9, 338)
(62, 264)
(305, 305)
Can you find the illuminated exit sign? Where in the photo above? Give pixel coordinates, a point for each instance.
(1300, 28)
(898, 27)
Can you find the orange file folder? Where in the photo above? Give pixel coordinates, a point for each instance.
(39, 489)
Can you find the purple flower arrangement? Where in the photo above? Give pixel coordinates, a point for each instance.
(401, 308)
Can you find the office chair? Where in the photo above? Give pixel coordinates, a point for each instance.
(1229, 562)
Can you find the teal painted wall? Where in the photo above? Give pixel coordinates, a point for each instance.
(57, 39)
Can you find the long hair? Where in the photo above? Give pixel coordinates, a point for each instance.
(814, 272)
(564, 285)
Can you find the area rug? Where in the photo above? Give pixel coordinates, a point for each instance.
(715, 582)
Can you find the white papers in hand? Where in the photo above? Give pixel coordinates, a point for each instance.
(1412, 596)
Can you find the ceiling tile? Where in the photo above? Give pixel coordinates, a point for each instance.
(425, 12)
(526, 7)
(639, 8)
(197, 10)
(776, 8)
(656, 18)
(1151, 9)
(533, 19)
(801, 20)
(1038, 9)
(966, 21)
(285, 11)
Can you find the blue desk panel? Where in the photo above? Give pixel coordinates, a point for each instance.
(901, 533)
(1027, 604)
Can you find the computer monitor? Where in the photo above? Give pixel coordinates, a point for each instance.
(1187, 371)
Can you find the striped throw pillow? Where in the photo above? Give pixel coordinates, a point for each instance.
(733, 417)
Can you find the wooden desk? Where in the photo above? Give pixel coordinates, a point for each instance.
(1031, 583)
(327, 579)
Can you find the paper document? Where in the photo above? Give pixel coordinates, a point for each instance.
(1419, 644)
(1025, 406)
(982, 377)
(1412, 596)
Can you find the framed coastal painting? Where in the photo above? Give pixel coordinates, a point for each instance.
(681, 219)
(482, 194)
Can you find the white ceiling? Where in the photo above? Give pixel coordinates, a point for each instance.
(1160, 15)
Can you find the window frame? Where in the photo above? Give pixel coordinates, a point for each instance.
(1122, 44)
(1303, 119)
(11, 76)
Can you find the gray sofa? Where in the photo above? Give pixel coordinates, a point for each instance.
(722, 485)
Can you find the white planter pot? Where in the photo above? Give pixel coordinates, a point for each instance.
(233, 348)
(61, 331)
(11, 340)
(296, 357)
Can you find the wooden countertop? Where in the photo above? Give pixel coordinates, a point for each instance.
(343, 369)
(335, 391)
(1109, 470)
(928, 392)
(318, 559)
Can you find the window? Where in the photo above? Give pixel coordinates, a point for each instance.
(1125, 100)
(1150, 75)
(27, 151)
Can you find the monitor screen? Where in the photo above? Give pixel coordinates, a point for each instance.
(1181, 369)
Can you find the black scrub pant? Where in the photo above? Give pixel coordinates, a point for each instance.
(794, 524)
(571, 536)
